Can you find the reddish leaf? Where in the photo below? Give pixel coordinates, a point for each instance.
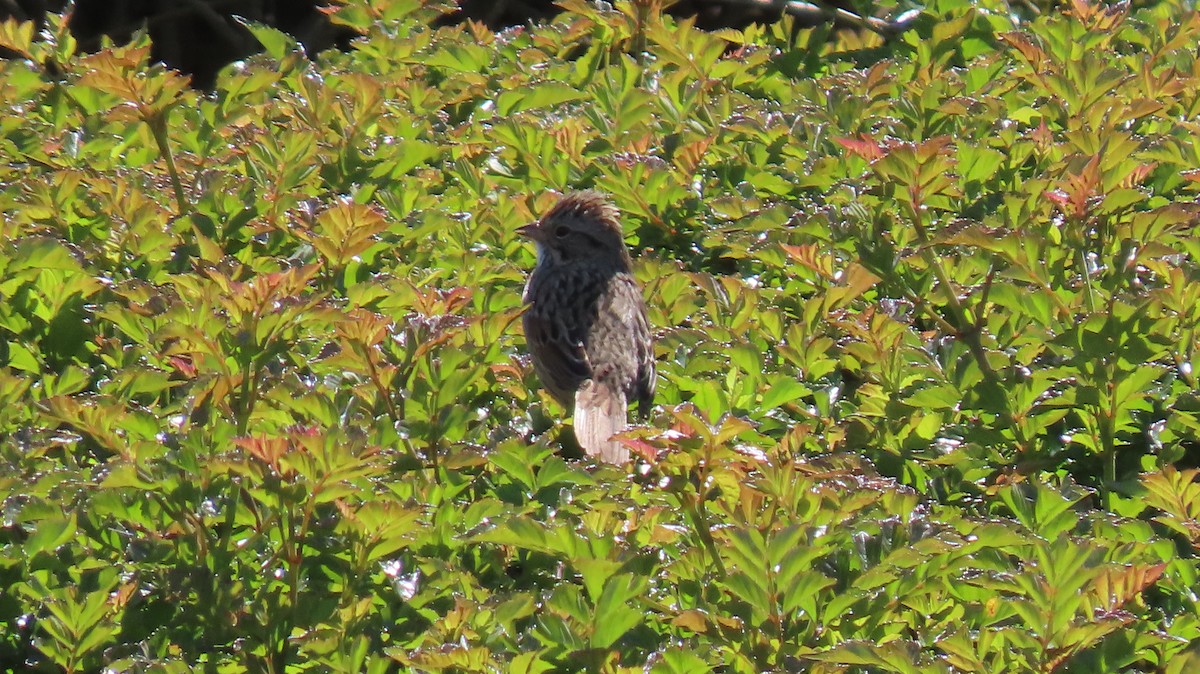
(863, 146)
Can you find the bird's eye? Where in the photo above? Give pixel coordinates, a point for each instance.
(561, 231)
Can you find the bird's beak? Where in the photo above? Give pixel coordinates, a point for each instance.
(529, 231)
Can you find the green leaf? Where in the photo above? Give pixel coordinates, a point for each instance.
(940, 397)
(516, 464)
(276, 43)
(680, 662)
(50, 534)
(535, 97)
(783, 391)
(615, 612)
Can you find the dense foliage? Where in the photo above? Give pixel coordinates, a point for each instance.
(927, 311)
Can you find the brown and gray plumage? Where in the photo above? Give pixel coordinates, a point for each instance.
(586, 322)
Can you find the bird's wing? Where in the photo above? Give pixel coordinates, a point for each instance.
(560, 360)
(647, 373)
(627, 306)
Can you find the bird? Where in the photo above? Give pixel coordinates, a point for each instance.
(585, 321)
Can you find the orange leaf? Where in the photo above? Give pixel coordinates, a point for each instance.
(863, 146)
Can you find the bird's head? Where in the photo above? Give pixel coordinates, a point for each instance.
(581, 227)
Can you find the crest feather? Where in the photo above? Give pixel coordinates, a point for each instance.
(586, 204)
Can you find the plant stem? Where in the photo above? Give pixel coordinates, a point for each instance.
(158, 128)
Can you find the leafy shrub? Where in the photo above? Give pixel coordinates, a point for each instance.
(926, 316)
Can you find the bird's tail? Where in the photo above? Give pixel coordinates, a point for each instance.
(600, 413)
